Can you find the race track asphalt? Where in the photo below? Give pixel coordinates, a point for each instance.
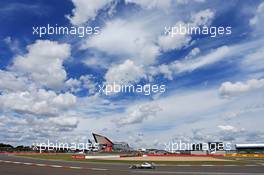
(11, 165)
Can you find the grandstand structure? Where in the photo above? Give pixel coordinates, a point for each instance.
(106, 145)
(250, 148)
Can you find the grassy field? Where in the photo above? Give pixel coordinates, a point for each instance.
(67, 157)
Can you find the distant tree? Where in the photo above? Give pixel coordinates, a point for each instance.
(6, 147)
(22, 148)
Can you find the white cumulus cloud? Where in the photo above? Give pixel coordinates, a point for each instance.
(126, 38)
(85, 10)
(127, 72)
(229, 89)
(180, 39)
(44, 63)
(189, 65)
(229, 128)
(38, 102)
(167, 42)
(151, 4)
(10, 81)
(139, 114)
(203, 17)
(257, 20)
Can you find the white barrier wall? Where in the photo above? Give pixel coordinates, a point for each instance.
(102, 157)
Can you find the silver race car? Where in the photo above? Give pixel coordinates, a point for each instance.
(144, 165)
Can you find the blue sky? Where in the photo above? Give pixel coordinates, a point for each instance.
(49, 85)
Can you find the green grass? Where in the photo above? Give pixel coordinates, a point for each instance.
(67, 157)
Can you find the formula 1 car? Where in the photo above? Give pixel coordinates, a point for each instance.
(144, 165)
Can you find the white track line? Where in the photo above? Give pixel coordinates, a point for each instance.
(75, 167)
(27, 163)
(17, 162)
(56, 166)
(39, 164)
(53, 166)
(99, 169)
